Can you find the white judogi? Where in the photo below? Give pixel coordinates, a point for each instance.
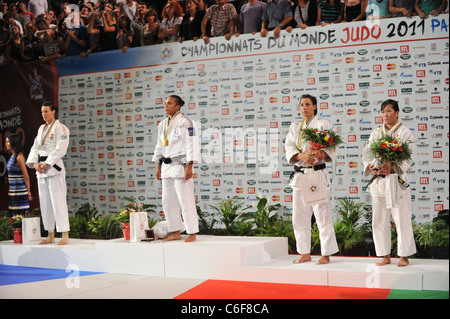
(401, 211)
(178, 193)
(301, 216)
(52, 141)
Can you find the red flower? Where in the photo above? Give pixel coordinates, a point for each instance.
(384, 145)
(401, 149)
(393, 148)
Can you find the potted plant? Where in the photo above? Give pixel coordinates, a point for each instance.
(350, 235)
(124, 216)
(16, 223)
(264, 216)
(229, 209)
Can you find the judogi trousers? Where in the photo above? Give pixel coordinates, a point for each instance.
(381, 226)
(178, 195)
(301, 220)
(53, 202)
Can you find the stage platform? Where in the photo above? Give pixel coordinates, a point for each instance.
(259, 259)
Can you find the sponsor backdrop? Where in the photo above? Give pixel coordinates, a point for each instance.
(244, 94)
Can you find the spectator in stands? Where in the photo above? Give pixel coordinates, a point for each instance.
(10, 22)
(3, 8)
(191, 26)
(75, 39)
(51, 18)
(108, 32)
(305, 14)
(124, 33)
(355, 10)
(378, 9)
(402, 8)
(51, 46)
(137, 25)
(329, 12)
(129, 8)
(93, 31)
(430, 7)
(27, 15)
(14, 9)
(38, 7)
(222, 16)
(151, 28)
(172, 15)
(276, 16)
(250, 16)
(31, 50)
(14, 47)
(84, 14)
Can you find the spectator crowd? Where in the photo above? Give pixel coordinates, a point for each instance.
(49, 29)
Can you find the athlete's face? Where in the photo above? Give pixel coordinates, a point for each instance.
(47, 114)
(171, 106)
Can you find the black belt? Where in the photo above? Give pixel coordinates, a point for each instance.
(44, 158)
(301, 169)
(168, 160)
(400, 180)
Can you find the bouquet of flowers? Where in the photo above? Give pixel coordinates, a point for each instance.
(16, 221)
(319, 139)
(390, 149)
(322, 139)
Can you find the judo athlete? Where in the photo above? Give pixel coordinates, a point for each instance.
(176, 151)
(50, 146)
(299, 153)
(390, 196)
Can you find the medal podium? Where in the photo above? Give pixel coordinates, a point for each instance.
(257, 259)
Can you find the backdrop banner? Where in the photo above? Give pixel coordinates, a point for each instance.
(244, 94)
(23, 89)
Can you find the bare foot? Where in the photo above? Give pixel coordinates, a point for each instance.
(303, 258)
(404, 261)
(64, 240)
(190, 238)
(324, 260)
(386, 260)
(173, 236)
(49, 240)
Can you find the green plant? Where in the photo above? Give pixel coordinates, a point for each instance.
(206, 221)
(433, 233)
(280, 228)
(108, 227)
(6, 231)
(134, 206)
(229, 210)
(265, 215)
(347, 228)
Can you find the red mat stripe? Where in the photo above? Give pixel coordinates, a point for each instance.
(223, 289)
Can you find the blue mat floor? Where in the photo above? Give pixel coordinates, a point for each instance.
(10, 275)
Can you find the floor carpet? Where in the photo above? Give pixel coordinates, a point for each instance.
(224, 289)
(10, 275)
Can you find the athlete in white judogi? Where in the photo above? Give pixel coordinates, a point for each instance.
(176, 151)
(384, 203)
(298, 153)
(50, 146)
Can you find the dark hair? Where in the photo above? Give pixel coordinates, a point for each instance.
(51, 105)
(392, 103)
(15, 141)
(178, 99)
(312, 98)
